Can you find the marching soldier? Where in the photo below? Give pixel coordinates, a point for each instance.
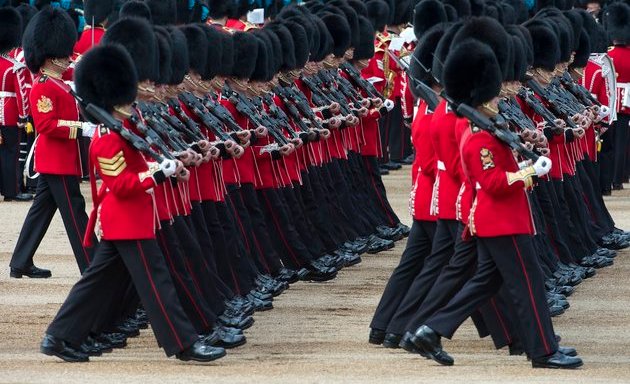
(13, 107)
(48, 42)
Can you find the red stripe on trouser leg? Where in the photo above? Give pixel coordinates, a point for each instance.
(506, 333)
(531, 296)
(380, 199)
(279, 229)
(157, 296)
(74, 221)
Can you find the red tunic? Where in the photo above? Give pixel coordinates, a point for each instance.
(501, 206)
(13, 91)
(621, 59)
(125, 209)
(56, 119)
(424, 167)
(449, 175)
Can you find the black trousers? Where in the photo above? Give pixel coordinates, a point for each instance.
(189, 294)
(10, 176)
(543, 194)
(54, 192)
(399, 134)
(508, 261)
(388, 216)
(442, 249)
(286, 238)
(570, 232)
(606, 159)
(622, 140)
(260, 241)
(453, 276)
(114, 260)
(411, 263)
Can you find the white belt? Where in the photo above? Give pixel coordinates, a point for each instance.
(441, 166)
(625, 101)
(7, 94)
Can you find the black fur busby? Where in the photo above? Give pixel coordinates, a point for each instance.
(135, 8)
(106, 77)
(275, 51)
(403, 12)
(263, 59)
(287, 44)
(545, 46)
(138, 38)
(163, 12)
(50, 34)
(442, 50)
(165, 55)
(526, 41)
(179, 62)
(617, 23)
(227, 62)
(426, 14)
(477, 7)
(461, 6)
(197, 48)
(365, 49)
(218, 9)
(97, 11)
(238, 9)
(378, 13)
(583, 51)
(422, 60)
(245, 55)
(594, 31)
(472, 74)
(490, 32)
(509, 14)
(339, 31)
(26, 12)
(300, 42)
(451, 13)
(520, 10)
(353, 22)
(520, 60)
(576, 22)
(359, 7)
(214, 52)
(184, 12)
(10, 29)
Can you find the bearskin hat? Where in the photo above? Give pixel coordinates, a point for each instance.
(97, 11)
(339, 30)
(26, 12)
(300, 42)
(617, 22)
(214, 51)
(403, 12)
(359, 7)
(10, 29)
(378, 13)
(245, 55)
(135, 8)
(461, 6)
(288, 46)
(227, 61)
(50, 34)
(442, 50)
(420, 65)
(326, 42)
(545, 46)
(426, 14)
(263, 59)
(472, 74)
(106, 77)
(520, 60)
(583, 51)
(218, 9)
(197, 48)
(163, 12)
(490, 32)
(365, 49)
(138, 38)
(179, 62)
(165, 55)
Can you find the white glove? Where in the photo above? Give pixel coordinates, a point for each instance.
(604, 111)
(542, 166)
(389, 105)
(524, 164)
(88, 129)
(168, 167)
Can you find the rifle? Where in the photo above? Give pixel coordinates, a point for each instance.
(150, 135)
(513, 114)
(423, 90)
(305, 133)
(553, 100)
(365, 85)
(579, 91)
(508, 137)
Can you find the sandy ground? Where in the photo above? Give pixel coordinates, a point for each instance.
(317, 333)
